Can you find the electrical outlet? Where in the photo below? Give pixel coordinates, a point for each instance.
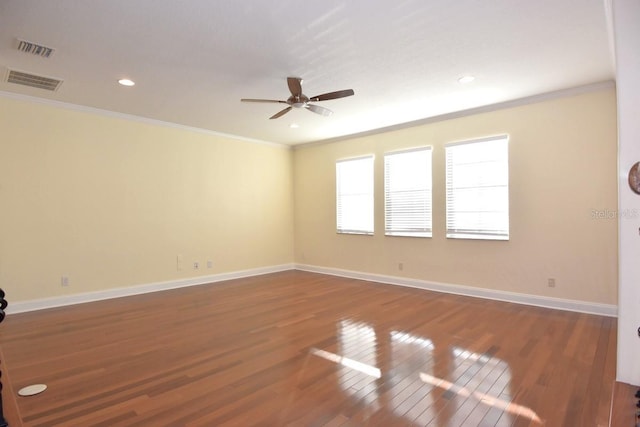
(209, 264)
(551, 283)
(179, 262)
(64, 281)
(196, 265)
(400, 266)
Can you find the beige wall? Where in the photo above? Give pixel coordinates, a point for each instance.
(562, 168)
(112, 202)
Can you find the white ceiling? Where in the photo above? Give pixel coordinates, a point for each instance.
(193, 60)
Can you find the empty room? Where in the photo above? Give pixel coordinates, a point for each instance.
(338, 213)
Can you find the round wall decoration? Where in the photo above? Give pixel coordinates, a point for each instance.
(634, 177)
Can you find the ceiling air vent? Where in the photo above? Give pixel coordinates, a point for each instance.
(32, 80)
(35, 48)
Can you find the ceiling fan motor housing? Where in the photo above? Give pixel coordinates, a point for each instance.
(298, 101)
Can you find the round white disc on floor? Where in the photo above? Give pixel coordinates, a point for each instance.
(32, 389)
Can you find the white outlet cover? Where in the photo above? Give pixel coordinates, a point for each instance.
(32, 390)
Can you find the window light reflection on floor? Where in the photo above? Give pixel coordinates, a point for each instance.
(372, 371)
(403, 337)
(480, 378)
(487, 379)
(483, 398)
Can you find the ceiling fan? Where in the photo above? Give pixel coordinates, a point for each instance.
(300, 100)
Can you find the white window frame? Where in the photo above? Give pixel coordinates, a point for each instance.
(408, 193)
(478, 203)
(354, 195)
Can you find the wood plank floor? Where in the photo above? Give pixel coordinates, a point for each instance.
(304, 349)
(623, 407)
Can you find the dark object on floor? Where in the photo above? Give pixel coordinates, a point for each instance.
(3, 305)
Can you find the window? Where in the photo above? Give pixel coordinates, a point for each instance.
(354, 194)
(478, 189)
(407, 193)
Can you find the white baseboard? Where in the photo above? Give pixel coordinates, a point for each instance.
(44, 303)
(526, 299)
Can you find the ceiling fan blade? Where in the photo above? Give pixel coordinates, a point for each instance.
(263, 100)
(281, 113)
(295, 85)
(319, 110)
(332, 95)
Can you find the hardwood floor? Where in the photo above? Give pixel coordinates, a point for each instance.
(623, 407)
(304, 349)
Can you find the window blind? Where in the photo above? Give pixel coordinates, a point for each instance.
(478, 189)
(354, 195)
(407, 193)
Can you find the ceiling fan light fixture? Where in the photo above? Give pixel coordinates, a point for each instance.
(294, 126)
(126, 82)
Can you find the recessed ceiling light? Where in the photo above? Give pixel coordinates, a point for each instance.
(126, 82)
(294, 126)
(466, 79)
